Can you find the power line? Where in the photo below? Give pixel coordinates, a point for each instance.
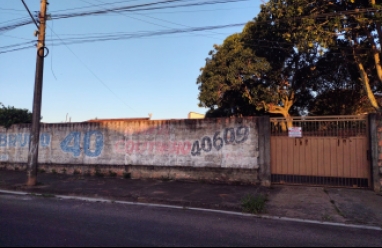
(155, 19)
(13, 20)
(30, 14)
(15, 37)
(124, 36)
(142, 7)
(165, 4)
(15, 25)
(91, 71)
(18, 10)
(151, 6)
(98, 37)
(17, 49)
(87, 7)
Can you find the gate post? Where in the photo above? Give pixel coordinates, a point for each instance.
(264, 127)
(375, 137)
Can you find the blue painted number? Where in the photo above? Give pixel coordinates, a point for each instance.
(72, 144)
(98, 144)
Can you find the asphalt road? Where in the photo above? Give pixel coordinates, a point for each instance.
(37, 221)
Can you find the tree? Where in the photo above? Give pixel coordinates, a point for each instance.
(321, 24)
(11, 115)
(339, 92)
(230, 83)
(315, 48)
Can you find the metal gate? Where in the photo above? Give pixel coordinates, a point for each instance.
(333, 151)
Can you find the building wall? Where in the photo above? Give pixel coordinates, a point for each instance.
(216, 145)
(193, 115)
(375, 130)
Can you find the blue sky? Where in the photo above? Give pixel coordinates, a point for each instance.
(115, 79)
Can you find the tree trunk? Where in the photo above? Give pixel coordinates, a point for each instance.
(377, 58)
(366, 84)
(284, 110)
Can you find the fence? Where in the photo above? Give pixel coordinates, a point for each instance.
(333, 151)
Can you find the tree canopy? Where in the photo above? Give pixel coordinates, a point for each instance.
(11, 115)
(230, 79)
(298, 57)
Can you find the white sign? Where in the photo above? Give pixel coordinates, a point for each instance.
(295, 132)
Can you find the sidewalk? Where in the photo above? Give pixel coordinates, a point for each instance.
(347, 206)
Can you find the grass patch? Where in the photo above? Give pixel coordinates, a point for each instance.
(326, 217)
(76, 172)
(127, 175)
(254, 204)
(42, 171)
(54, 171)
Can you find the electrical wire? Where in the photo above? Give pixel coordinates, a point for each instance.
(124, 36)
(157, 19)
(149, 6)
(91, 71)
(119, 36)
(142, 7)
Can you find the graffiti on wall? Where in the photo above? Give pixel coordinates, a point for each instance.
(22, 140)
(3, 157)
(154, 141)
(131, 147)
(230, 136)
(160, 148)
(72, 144)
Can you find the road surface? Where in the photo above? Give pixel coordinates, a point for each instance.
(38, 221)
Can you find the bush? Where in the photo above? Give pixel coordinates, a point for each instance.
(11, 115)
(254, 204)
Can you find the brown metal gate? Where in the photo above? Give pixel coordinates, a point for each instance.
(333, 151)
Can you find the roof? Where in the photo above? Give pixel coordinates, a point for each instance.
(121, 119)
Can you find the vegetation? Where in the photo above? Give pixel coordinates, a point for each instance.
(11, 115)
(298, 57)
(254, 204)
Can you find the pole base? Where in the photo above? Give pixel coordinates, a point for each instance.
(32, 182)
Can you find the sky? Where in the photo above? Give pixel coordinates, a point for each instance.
(125, 78)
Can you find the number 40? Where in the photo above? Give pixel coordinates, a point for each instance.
(71, 144)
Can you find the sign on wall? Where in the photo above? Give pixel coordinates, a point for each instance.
(295, 132)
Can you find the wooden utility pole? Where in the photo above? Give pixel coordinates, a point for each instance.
(37, 98)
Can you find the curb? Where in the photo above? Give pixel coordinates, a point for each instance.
(286, 219)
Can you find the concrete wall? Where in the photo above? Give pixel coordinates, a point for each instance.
(227, 148)
(375, 130)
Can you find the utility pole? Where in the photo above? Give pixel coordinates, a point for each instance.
(37, 98)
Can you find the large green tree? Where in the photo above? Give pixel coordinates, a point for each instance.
(231, 81)
(338, 91)
(320, 24)
(315, 49)
(11, 115)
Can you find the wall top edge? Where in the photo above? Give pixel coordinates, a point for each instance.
(116, 122)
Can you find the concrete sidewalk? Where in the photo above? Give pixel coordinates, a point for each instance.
(346, 206)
